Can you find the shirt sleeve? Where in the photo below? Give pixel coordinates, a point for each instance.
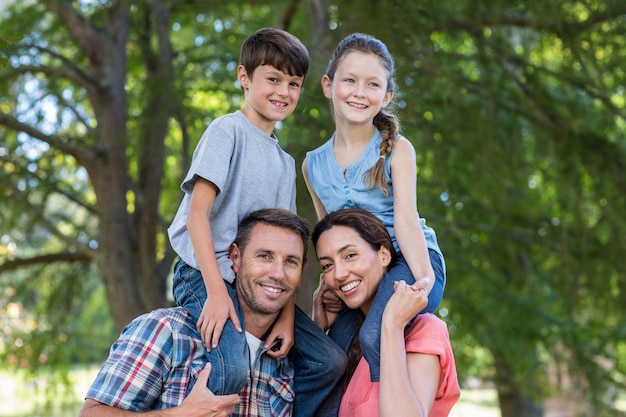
(138, 363)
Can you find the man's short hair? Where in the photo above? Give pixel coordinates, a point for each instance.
(273, 217)
(275, 47)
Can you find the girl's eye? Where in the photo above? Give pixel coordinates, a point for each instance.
(349, 80)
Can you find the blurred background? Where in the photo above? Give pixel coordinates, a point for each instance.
(516, 109)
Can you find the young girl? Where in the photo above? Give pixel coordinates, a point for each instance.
(367, 164)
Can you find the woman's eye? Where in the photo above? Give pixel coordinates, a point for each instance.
(326, 267)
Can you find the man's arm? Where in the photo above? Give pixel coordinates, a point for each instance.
(200, 402)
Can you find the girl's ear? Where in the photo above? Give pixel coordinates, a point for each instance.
(387, 99)
(327, 86)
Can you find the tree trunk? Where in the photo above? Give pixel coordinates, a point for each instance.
(513, 402)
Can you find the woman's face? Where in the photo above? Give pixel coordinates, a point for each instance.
(351, 268)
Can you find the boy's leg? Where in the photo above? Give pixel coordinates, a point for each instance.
(319, 364)
(230, 363)
(369, 335)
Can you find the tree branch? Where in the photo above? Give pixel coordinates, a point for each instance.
(16, 263)
(83, 157)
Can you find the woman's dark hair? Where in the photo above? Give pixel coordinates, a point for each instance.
(367, 225)
(385, 122)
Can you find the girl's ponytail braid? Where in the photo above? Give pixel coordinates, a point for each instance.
(387, 124)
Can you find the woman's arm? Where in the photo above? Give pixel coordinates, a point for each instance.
(409, 379)
(406, 218)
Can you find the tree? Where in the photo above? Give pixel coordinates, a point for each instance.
(516, 110)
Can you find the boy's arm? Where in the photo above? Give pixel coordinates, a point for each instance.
(220, 308)
(320, 210)
(283, 329)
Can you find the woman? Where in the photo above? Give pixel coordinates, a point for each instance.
(417, 372)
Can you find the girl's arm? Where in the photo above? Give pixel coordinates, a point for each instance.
(410, 379)
(214, 313)
(320, 210)
(406, 218)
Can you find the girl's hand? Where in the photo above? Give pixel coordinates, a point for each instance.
(324, 315)
(217, 308)
(404, 304)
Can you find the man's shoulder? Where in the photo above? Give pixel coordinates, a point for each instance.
(172, 319)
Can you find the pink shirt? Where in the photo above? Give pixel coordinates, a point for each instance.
(428, 334)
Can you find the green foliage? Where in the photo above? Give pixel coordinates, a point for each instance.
(516, 110)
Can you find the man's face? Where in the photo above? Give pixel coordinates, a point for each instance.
(269, 268)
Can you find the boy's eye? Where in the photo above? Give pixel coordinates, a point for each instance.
(295, 85)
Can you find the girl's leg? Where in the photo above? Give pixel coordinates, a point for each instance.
(369, 335)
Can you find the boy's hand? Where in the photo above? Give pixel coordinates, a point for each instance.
(404, 304)
(281, 338)
(217, 309)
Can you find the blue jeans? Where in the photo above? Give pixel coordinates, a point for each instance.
(318, 362)
(345, 326)
(229, 360)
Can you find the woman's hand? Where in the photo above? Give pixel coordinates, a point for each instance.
(404, 304)
(326, 305)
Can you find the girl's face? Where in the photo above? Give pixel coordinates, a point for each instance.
(351, 268)
(359, 88)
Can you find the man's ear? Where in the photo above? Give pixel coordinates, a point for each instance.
(234, 254)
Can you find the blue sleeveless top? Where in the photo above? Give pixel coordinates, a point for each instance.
(337, 191)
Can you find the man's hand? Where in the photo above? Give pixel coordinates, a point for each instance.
(217, 309)
(201, 402)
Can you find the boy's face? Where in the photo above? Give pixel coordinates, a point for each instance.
(271, 95)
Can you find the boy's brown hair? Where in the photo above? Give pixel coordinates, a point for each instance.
(275, 47)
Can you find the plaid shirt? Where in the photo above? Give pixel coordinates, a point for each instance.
(157, 359)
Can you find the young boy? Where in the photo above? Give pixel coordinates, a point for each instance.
(238, 167)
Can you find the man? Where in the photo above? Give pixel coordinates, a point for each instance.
(159, 356)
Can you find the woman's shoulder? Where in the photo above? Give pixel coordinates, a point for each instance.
(428, 328)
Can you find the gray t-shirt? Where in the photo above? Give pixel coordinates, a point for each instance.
(250, 170)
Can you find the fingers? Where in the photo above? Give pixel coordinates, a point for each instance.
(235, 319)
(203, 376)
